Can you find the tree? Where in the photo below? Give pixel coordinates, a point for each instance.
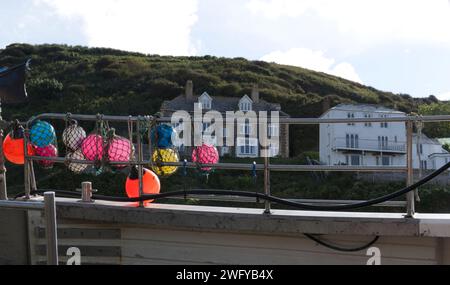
(436, 130)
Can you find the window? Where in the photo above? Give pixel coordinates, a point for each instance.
(421, 148)
(351, 141)
(245, 106)
(206, 126)
(247, 146)
(273, 150)
(382, 142)
(385, 161)
(383, 124)
(423, 164)
(350, 116)
(355, 159)
(272, 130)
(205, 100)
(367, 116)
(245, 129)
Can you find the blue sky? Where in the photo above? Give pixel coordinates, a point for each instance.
(394, 45)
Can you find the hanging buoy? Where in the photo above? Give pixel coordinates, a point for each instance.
(46, 151)
(13, 149)
(205, 154)
(165, 155)
(73, 136)
(119, 149)
(92, 147)
(150, 183)
(75, 166)
(42, 134)
(162, 136)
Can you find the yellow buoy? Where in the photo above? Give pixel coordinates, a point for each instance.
(164, 155)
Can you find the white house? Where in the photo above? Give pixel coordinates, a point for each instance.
(374, 144)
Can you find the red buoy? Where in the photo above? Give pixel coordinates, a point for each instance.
(150, 183)
(13, 149)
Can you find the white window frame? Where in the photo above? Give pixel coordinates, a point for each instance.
(247, 145)
(350, 115)
(367, 116)
(273, 130)
(245, 129)
(384, 124)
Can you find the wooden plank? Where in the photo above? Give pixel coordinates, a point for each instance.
(34, 220)
(86, 260)
(82, 233)
(227, 241)
(13, 237)
(86, 250)
(157, 252)
(84, 242)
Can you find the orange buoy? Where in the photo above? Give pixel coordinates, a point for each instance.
(150, 183)
(13, 149)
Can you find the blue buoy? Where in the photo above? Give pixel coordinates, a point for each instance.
(42, 134)
(163, 138)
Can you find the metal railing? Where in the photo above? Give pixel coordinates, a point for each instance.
(266, 167)
(369, 145)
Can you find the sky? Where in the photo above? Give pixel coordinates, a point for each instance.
(401, 46)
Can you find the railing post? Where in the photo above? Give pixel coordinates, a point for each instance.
(267, 182)
(51, 228)
(3, 192)
(26, 165)
(139, 159)
(86, 192)
(410, 209)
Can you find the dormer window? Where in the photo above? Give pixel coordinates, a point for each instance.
(205, 100)
(245, 104)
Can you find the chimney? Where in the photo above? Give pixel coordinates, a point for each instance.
(189, 91)
(326, 104)
(255, 93)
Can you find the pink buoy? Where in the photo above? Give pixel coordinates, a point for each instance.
(46, 151)
(205, 154)
(92, 147)
(119, 149)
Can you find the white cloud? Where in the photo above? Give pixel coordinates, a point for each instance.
(444, 96)
(370, 21)
(315, 60)
(148, 26)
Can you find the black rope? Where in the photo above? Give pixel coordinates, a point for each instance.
(274, 199)
(339, 248)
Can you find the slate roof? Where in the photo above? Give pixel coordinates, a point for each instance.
(219, 103)
(363, 108)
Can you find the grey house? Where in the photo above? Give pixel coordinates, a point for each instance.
(247, 147)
